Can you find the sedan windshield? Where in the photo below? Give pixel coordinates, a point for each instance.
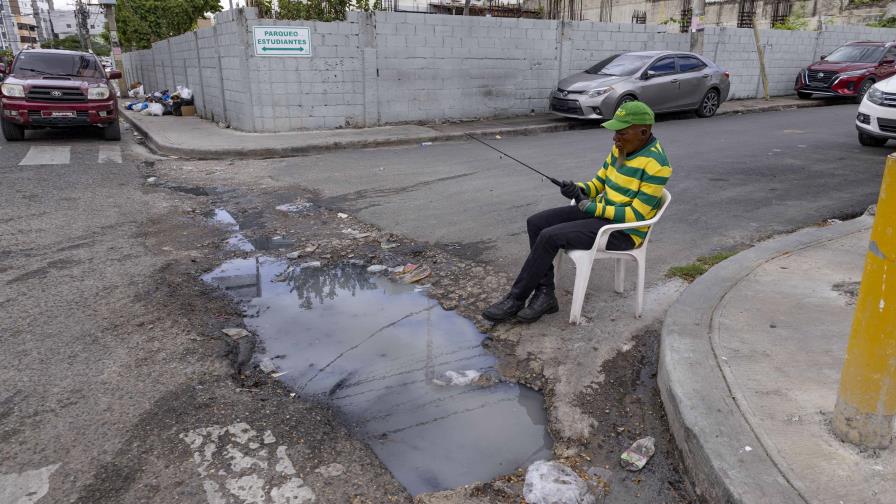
(856, 54)
(58, 64)
(620, 65)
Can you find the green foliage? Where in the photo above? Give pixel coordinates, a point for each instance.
(795, 21)
(142, 22)
(889, 22)
(6, 56)
(73, 43)
(690, 272)
(317, 10)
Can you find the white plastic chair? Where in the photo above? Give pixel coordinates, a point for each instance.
(584, 259)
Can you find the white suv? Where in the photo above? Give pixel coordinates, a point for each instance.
(876, 120)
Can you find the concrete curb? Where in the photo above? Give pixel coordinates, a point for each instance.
(317, 148)
(304, 150)
(709, 427)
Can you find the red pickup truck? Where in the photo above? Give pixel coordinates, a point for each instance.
(57, 89)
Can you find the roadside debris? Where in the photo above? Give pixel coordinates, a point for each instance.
(376, 268)
(413, 273)
(601, 473)
(235, 332)
(152, 180)
(458, 379)
(555, 483)
(331, 470)
(267, 365)
(295, 207)
(293, 255)
(636, 457)
(342, 215)
(356, 234)
(310, 264)
(386, 245)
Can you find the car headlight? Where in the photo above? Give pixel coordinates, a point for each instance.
(875, 96)
(854, 73)
(98, 93)
(13, 90)
(594, 93)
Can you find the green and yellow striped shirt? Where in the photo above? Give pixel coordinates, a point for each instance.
(631, 192)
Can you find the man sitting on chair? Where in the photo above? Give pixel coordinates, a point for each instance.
(627, 188)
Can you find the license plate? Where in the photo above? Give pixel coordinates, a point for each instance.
(57, 113)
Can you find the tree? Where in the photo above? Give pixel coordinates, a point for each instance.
(73, 43)
(142, 22)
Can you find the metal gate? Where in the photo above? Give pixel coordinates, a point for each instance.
(687, 12)
(781, 11)
(745, 13)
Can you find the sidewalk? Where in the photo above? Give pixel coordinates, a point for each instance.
(193, 137)
(749, 370)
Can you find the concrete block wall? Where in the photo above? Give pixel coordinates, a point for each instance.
(387, 67)
(434, 67)
(325, 90)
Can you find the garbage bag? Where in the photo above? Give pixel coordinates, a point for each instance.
(154, 109)
(555, 483)
(184, 92)
(137, 92)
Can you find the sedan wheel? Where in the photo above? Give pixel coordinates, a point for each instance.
(862, 90)
(622, 101)
(709, 105)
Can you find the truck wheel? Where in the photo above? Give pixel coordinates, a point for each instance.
(112, 132)
(871, 141)
(13, 132)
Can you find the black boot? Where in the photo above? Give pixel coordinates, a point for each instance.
(503, 309)
(543, 302)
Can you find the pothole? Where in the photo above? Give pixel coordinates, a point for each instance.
(409, 378)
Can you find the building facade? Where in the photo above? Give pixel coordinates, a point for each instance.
(25, 23)
(65, 23)
(737, 13)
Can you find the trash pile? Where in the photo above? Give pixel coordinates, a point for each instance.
(159, 103)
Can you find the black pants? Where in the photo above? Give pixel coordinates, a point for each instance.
(567, 228)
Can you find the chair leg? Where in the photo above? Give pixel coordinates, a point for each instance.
(558, 263)
(583, 272)
(620, 275)
(639, 301)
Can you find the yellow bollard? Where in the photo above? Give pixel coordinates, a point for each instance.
(866, 403)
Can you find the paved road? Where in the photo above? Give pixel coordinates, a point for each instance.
(736, 179)
(115, 375)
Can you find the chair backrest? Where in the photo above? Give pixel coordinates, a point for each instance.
(664, 202)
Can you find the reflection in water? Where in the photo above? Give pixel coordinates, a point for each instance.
(318, 284)
(372, 348)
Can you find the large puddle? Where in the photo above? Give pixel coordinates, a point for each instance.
(398, 368)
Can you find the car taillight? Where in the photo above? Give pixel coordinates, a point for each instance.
(727, 75)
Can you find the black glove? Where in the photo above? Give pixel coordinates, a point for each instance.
(570, 189)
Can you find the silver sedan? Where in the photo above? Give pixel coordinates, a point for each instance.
(668, 81)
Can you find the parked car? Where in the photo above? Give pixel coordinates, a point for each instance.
(876, 120)
(667, 81)
(57, 89)
(849, 71)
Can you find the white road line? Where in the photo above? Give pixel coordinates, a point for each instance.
(47, 155)
(110, 154)
(27, 487)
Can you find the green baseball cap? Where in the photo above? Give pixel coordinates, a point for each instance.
(629, 114)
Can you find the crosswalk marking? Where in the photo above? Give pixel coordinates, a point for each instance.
(42, 155)
(110, 154)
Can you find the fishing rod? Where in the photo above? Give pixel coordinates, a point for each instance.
(552, 179)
